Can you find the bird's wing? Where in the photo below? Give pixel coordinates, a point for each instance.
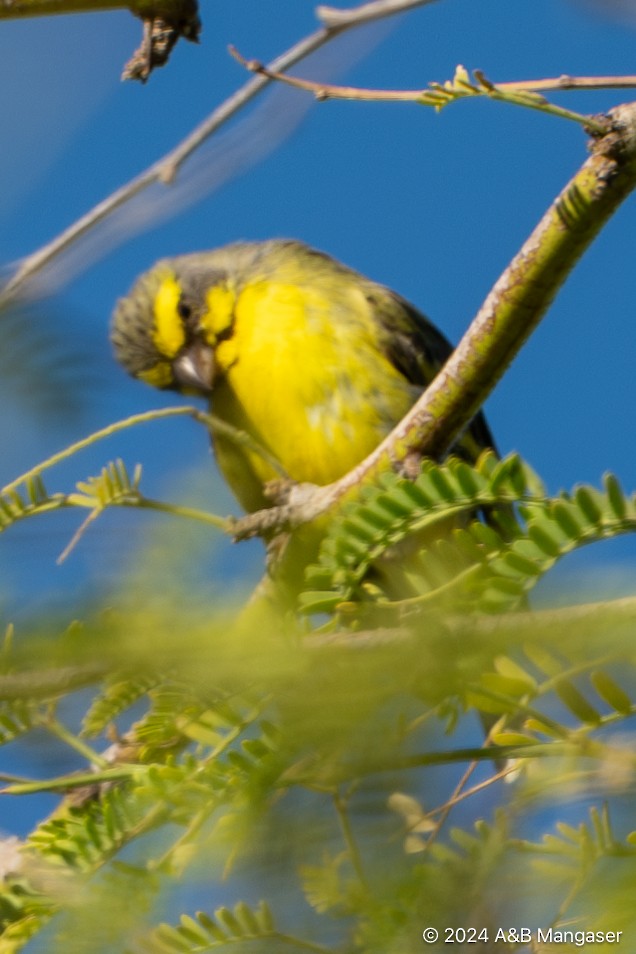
(419, 350)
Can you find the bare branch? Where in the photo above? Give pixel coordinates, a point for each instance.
(163, 24)
(323, 91)
(566, 82)
(18, 9)
(438, 95)
(333, 18)
(165, 169)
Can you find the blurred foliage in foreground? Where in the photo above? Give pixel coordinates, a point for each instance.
(309, 762)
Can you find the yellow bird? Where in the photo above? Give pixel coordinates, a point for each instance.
(314, 361)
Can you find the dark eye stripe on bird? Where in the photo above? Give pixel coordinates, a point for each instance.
(316, 362)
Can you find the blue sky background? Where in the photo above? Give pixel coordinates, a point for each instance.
(432, 205)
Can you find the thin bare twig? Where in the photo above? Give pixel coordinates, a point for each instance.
(435, 95)
(565, 82)
(324, 91)
(80, 445)
(166, 168)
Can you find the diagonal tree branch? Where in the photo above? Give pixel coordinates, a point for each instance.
(509, 315)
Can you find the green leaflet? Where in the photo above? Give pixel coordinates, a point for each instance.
(490, 566)
(205, 933)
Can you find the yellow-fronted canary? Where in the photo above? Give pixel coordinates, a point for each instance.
(314, 361)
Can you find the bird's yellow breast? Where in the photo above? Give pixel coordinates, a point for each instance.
(304, 373)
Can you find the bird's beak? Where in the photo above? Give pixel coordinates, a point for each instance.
(194, 369)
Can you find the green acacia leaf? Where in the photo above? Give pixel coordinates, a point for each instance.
(611, 692)
(577, 703)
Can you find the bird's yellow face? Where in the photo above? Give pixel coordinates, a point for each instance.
(166, 332)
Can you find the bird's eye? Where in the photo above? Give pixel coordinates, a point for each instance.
(184, 310)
